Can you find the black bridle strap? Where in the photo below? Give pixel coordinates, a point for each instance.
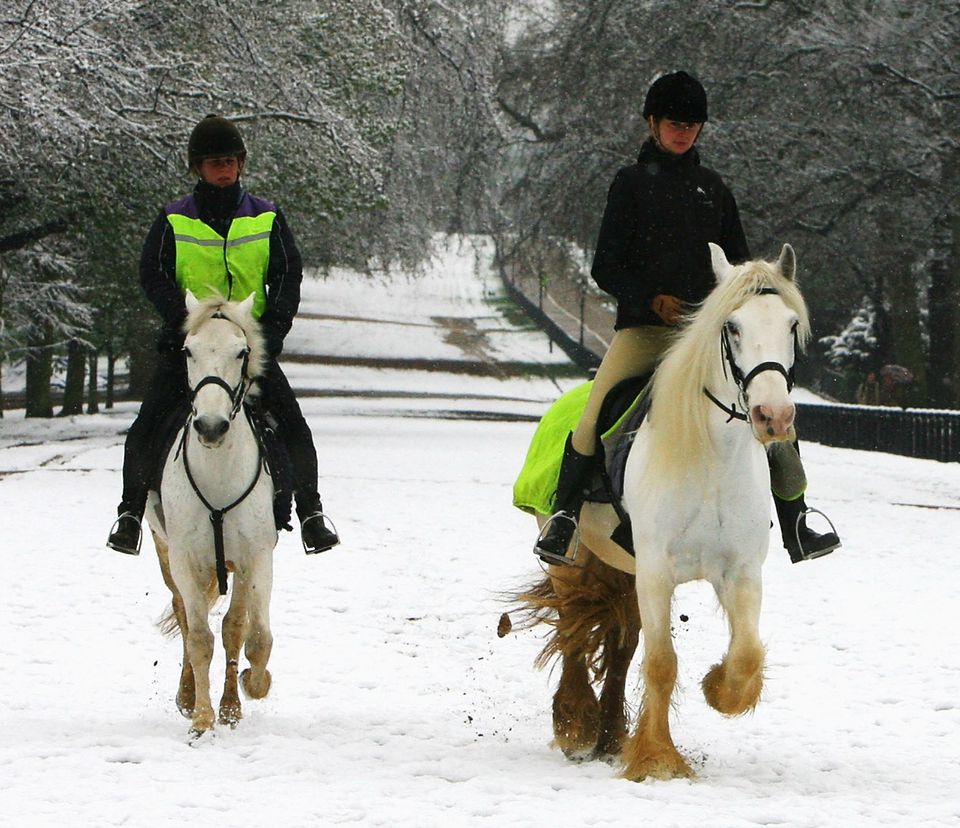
(729, 410)
(237, 393)
(216, 515)
(768, 366)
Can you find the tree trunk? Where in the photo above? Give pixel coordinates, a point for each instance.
(143, 356)
(76, 373)
(93, 404)
(111, 376)
(39, 371)
(903, 311)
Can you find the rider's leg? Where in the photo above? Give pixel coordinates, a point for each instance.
(632, 352)
(292, 428)
(789, 483)
(142, 448)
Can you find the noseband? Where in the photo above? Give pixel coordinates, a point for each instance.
(743, 380)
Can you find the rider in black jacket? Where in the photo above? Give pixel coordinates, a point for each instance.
(652, 256)
(216, 154)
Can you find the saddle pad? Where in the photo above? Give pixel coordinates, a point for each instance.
(535, 489)
(536, 486)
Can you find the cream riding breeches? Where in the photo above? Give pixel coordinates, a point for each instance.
(633, 351)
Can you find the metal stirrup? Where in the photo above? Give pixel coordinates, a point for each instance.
(566, 559)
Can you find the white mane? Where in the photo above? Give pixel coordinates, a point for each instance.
(679, 436)
(239, 314)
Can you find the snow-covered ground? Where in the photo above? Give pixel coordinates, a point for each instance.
(394, 703)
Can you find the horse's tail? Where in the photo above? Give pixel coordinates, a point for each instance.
(168, 623)
(592, 609)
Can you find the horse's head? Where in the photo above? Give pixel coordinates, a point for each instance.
(221, 361)
(760, 336)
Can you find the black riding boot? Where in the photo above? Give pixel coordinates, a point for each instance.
(125, 536)
(575, 470)
(316, 535)
(801, 542)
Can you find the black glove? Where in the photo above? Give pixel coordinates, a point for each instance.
(274, 343)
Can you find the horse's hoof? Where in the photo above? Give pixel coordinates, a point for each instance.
(186, 709)
(230, 714)
(666, 765)
(253, 689)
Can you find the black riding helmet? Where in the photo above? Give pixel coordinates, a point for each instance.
(214, 137)
(677, 96)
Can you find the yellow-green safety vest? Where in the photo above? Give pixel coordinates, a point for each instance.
(233, 267)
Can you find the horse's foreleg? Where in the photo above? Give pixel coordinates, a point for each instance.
(651, 752)
(199, 640)
(234, 632)
(256, 679)
(733, 686)
(186, 691)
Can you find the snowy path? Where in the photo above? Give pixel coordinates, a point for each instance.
(394, 703)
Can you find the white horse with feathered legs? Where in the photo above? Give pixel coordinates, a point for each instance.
(214, 513)
(697, 492)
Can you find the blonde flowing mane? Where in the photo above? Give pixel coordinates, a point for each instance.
(239, 314)
(679, 436)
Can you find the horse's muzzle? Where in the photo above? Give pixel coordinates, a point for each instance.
(211, 430)
(773, 423)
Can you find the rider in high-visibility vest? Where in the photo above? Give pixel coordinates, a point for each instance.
(219, 240)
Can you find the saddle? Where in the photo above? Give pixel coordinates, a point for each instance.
(276, 459)
(621, 414)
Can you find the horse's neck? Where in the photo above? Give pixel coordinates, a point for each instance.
(732, 438)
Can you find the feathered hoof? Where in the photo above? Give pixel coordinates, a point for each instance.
(732, 697)
(254, 689)
(662, 765)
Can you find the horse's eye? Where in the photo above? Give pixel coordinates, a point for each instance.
(243, 353)
(732, 329)
(186, 352)
(794, 326)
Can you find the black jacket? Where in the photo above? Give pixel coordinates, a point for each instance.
(216, 207)
(660, 214)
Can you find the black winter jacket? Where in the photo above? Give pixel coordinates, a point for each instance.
(216, 207)
(660, 214)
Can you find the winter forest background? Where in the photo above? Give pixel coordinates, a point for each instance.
(375, 124)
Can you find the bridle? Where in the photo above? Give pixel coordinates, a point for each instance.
(237, 395)
(743, 380)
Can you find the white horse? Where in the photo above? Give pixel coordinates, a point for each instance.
(214, 513)
(697, 490)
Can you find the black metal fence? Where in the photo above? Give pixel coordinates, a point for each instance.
(924, 433)
(934, 435)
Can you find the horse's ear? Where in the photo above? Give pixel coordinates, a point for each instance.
(192, 302)
(246, 306)
(721, 267)
(787, 263)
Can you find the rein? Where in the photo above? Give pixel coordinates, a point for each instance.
(216, 515)
(743, 380)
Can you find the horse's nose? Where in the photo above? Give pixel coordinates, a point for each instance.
(772, 423)
(211, 429)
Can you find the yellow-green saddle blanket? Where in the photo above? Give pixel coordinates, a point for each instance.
(535, 489)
